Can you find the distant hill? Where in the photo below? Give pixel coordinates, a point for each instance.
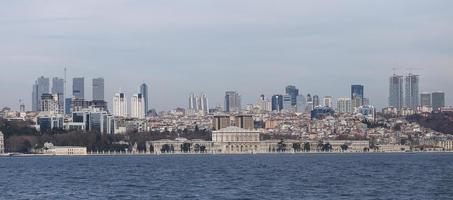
(441, 122)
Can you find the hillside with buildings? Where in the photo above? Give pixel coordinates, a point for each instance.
(441, 121)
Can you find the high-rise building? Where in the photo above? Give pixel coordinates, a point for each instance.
(40, 87)
(120, 105)
(287, 103)
(328, 101)
(204, 103)
(51, 103)
(98, 89)
(438, 100)
(292, 91)
(412, 91)
(245, 122)
(396, 91)
(232, 102)
(277, 102)
(221, 121)
(78, 88)
(144, 92)
(344, 105)
(357, 95)
(57, 85)
(425, 99)
(58, 89)
(198, 104)
(137, 106)
(315, 100)
(300, 103)
(264, 104)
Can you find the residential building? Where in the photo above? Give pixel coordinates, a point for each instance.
(438, 100)
(144, 92)
(232, 102)
(425, 99)
(316, 101)
(277, 102)
(137, 106)
(396, 91)
(119, 105)
(357, 95)
(412, 91)
(293, 92)
(98, 89)
(344, 105)
(78, 88)
(328, 101)
(40, 87)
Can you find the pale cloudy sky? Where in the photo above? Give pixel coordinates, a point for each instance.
(252, 46)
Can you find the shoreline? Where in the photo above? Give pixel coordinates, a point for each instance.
(222, 154)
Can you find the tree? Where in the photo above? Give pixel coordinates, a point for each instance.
(296, 147)
(185, 147)
(202, 148)
(327, 147)
(196, 148)
(344, 147)
(281, 146)
(307, 146)
(165, 148)
(320, 145)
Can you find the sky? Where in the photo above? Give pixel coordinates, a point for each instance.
(251, 46)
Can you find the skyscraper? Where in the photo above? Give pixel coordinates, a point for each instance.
(357, 95)
(328, 101)
(40, 87)
(198, 104)
(292, 91)
(144, 92)
(57, 85)
(119, 105)
(425, 99)
(300, 103)
(277, 102)
(58, 90)
(232, 102)
(396, 91)
(411, 91)
(137, 106)
(78, 88)
(438, 100)
(98, 89)
(204, 103)
(287, 103)
(344, 105)
(315, 100)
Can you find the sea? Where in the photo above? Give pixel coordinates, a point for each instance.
(276, 176)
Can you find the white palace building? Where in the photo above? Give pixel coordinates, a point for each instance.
(235, 140)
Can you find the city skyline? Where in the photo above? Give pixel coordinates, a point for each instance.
(321, 49)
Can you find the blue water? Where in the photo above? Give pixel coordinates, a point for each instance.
(313, 176)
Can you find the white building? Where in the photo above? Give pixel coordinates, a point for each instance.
(120, 105)
(50, 149)
(328, 101)
(236, 140)
(198, 104)
(2, 143)
(137, 106)
(51, 103)
(344, 105)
